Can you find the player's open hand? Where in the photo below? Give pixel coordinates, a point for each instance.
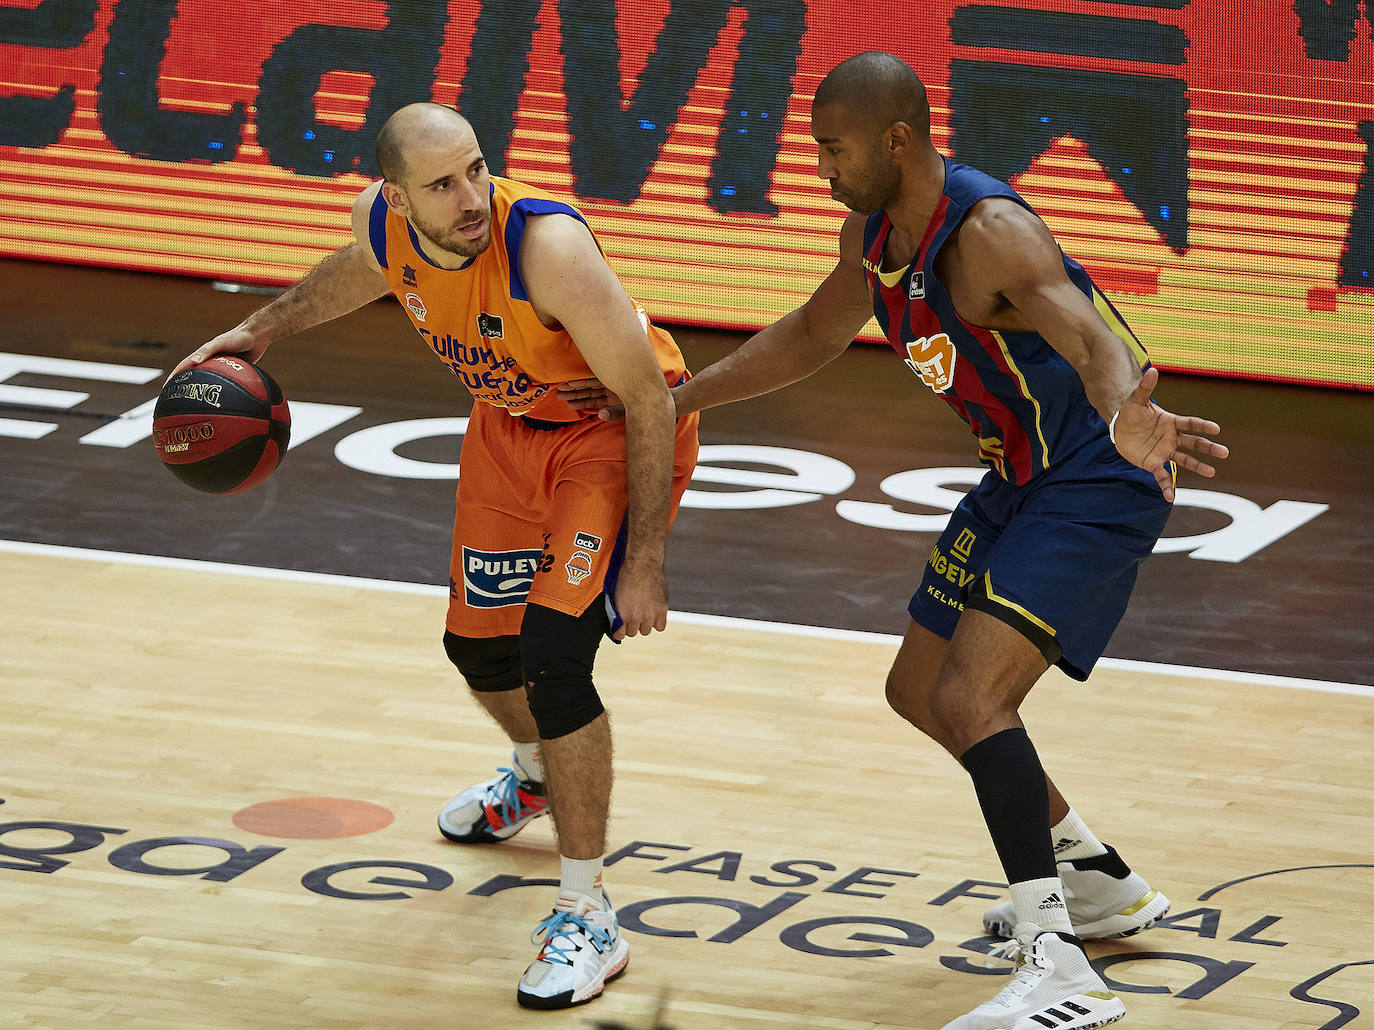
(1149, 437)
(641, 599)
(592, 395)
(237, 342)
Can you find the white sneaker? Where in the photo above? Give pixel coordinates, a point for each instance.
(495, 810)
(1105, 899)
(582, 951)
(1052, 988)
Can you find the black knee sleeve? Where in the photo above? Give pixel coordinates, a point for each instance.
(487, 663)
(557, 652)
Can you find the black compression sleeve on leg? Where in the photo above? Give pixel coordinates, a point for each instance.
(1010, 784)
(557, 652)
(489, 664)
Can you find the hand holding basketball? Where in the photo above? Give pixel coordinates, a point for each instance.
(235, 343)
(221, 426)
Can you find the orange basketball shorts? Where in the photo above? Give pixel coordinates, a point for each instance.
(539, 513)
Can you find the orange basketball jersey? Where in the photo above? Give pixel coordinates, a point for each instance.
(478, 318)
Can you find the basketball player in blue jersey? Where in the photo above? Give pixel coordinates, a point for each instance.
(989, 314)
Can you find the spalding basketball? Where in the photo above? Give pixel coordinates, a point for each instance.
(221, 426)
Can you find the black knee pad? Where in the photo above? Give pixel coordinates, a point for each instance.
(487, 663)
(557, 652)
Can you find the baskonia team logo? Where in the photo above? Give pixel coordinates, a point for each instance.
(932, 358)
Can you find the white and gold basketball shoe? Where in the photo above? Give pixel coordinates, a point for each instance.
(1105, 899)
(1052, 988)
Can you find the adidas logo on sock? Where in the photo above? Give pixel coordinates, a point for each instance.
(1053, 901)
(1064, 843)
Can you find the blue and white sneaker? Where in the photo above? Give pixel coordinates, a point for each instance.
(495, 810)
(581, 951)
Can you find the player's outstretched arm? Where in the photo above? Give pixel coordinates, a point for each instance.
(570, 283)
(342, 282)
(789, 350)
(796, 345)
(1012, 254)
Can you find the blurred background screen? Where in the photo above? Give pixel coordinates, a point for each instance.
(1208, 162)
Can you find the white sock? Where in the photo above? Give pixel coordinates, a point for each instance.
(580, 877)
(1073, 839)
(529, 762)
(1041, 902)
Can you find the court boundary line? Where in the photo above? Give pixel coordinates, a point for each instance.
(687, 618)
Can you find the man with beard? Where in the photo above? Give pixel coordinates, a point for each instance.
(561, 519)
(972, 291)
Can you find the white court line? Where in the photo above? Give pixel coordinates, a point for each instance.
(688, 618)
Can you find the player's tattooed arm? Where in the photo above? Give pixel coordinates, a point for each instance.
(342, 282)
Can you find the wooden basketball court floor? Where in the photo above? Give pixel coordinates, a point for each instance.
(792, 854)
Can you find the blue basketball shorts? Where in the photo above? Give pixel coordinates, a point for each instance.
(1055, 559)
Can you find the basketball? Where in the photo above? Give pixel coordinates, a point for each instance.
(222, 426)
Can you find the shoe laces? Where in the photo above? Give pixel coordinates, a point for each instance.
(556, 929)
(506, 793)
(1028, 962)
(1009, 950)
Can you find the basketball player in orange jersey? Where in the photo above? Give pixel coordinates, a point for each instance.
(1038, 561)
(561, 518)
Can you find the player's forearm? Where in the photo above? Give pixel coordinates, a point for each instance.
(1109, 373)
(341, 283)
(772, 358)
(649, 468)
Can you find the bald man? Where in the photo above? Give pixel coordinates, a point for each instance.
(987, 312)
(561, 518)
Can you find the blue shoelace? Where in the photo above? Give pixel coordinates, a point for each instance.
(508, 796)
(554, 927)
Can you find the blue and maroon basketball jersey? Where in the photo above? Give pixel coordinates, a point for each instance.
(1021, 397)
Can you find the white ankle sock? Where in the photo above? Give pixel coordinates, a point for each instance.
(1041, 902)
(529, 761)
(579, 876)
(1073, 839)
